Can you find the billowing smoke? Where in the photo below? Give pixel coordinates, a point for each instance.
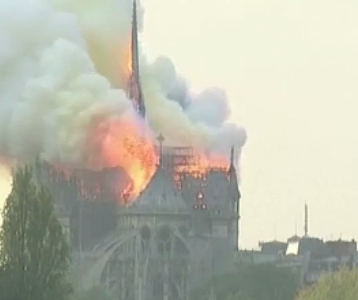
(63, 76)
(188, 118)
(209, 107)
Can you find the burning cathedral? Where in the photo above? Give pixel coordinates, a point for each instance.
(160, 240)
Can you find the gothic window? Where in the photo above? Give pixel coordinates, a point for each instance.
(164, 239)
(180, 247)
(158, 288)
(145, 237)
(173, 290)
(184, 231)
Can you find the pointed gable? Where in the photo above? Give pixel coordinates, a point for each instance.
(160, 195)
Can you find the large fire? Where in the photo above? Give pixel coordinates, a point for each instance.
(197, 164)
(128, 145)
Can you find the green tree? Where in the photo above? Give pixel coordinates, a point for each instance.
(268, 282)
(95, 293)
(252, 282)
(34, 256)
(342, 285)
(239, 296)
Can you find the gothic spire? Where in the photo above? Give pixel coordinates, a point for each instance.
(232, 172)
(135, 90)
(160, 140)
(232, 161)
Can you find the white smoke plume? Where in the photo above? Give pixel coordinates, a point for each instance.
(62, 78)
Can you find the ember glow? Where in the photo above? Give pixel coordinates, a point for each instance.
(126, 69)
(201, 163)
(128, 145)
(128, 60)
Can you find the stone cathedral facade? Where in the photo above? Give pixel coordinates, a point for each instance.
(176, 235)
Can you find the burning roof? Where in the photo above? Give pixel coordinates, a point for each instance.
(73, 97)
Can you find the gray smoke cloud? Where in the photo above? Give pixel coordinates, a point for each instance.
(209, 109)
(63, 76)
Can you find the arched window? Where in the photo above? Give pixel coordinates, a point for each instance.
(180, 247)
(145, 234)
(158, 288)
(164, 240)
(174, 294)
(184, 231)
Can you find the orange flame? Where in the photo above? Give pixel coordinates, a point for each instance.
(128, 146)
(200, 164)
(128, 59)
(128, 56)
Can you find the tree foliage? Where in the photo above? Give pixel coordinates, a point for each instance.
(95, 293)
(342, 285)
(253, 282)
(34, 256)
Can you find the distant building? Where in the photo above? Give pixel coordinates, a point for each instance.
(300, 246)
(309, 257)
(341, 248)
(273, 248)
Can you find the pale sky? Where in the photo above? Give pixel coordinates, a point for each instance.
(290, 69)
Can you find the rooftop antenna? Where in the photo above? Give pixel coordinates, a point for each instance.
(306, 220)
